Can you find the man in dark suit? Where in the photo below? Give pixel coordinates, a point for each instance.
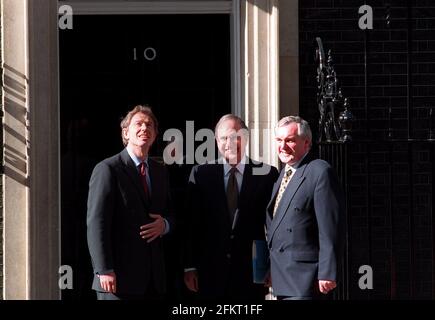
(227, 200)
(304, 218)
(128, 212)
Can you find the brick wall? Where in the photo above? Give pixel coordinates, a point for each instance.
(388, 73)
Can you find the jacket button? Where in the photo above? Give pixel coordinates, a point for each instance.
(281, 250)
(232, 237)
(228, 256)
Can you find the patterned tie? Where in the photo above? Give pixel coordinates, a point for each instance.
(143, 177)
(284, 182)
(232, 193)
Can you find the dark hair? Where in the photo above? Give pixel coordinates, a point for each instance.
(127, 119)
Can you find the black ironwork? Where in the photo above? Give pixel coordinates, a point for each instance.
(345, 119)
(388, 165)
(335, 133)
(388, 15)
(333, 124)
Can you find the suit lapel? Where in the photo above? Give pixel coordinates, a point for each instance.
(130, 169)
(247, 184)
(287, 197)
(153, 175)
(218, 180)
(246, 189)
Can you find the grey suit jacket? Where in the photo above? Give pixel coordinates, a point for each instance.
(117, 207)
(306, 235)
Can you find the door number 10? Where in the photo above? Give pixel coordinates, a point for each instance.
(149, 54)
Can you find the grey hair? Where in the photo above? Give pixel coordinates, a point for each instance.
(230, 116)
(304, 129)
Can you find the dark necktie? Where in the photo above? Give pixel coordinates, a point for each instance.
(143, 177)
(232, 194)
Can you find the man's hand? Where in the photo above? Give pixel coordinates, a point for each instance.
(191, 280)
(154, 229)
(326, 285)
(108, 282)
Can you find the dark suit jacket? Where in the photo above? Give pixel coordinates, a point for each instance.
(222, 256)
(306, 235)
(117, 207)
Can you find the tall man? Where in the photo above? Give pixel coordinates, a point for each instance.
(227, 201)
(128, 213)
(304, 217)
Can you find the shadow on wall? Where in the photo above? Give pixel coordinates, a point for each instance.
(14, 106)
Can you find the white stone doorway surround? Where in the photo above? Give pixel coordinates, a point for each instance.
(31, 212)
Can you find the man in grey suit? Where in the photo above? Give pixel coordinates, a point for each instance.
(304, 218)
(129, 210)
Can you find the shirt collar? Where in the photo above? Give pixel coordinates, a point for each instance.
(240, 166)
(295, 166)
(135, 159)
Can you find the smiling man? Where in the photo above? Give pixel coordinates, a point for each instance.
(304, 218)
(129, 210)
(226, 203)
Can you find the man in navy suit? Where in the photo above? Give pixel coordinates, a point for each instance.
(227, 201)
(129, 210)
(304, 218)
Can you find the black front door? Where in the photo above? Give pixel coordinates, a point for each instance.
(177, 64)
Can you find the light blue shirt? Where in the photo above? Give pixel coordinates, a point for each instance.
(137, 162)
(239, 173)
(295, 166)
